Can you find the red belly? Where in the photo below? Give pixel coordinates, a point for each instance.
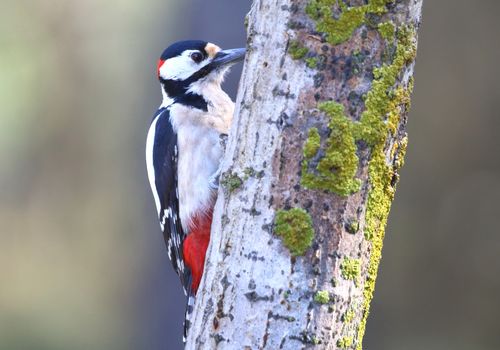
(195, 246)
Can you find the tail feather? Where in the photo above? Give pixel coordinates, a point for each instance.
(187, 317)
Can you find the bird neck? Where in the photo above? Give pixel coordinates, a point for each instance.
(199, 94)
(211, 91)
(188, 99)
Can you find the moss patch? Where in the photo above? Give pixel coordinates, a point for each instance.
(400, 97)
(249, 172)
(312, 62)
(337, 160)
(315, 340)
(348, 316)
(381, 102)
(345, 342)
(295, 228)
(336, 170)
(296, 50)
(400, 156)
(322, 297)
(312, 144)
(386, 30)
(352, 226)
(340, 29)
(350, 269)
(231, 182)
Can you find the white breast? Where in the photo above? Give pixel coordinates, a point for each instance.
(199, 157)
(200, 154)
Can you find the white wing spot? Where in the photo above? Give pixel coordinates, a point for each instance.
(150, 164)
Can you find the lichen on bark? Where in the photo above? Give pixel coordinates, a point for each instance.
(336, 169)
(345, 342)
(322, 297)
(340, 29)
(386, 30)
(380, 102)
(312, 144)
(296, 50)
(350, 269)
(295, 228)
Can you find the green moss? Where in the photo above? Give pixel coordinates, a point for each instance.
(379, 102)
(248, 172)
(381, 118)
(340, 29)
(231, 182)
(307, 337)
(348, 316)
(295, 228)
(381, 191)
(352, 226)
(322, 297)
(386, 30)
(336, 171)
(312, 144)
(400, 157)
(296, 50)
(400, 97)
(345, 342)
(350, 269)
(312, 62)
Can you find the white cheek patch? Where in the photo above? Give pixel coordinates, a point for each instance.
(181, 67)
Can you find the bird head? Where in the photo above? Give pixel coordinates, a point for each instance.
(188, 67)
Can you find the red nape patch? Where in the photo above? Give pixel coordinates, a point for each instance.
(160, 63)
(195, 247)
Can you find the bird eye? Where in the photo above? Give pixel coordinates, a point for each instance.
(197, 57)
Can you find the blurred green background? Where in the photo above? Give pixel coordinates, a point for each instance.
(82, 262)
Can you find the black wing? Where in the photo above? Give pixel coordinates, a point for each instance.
(165, 168)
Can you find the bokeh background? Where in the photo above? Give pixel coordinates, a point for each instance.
(82, 261)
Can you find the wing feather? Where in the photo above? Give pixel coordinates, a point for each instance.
(164, 166)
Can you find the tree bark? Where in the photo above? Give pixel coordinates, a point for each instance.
(309, 175)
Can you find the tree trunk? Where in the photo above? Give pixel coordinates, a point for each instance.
(309, 175)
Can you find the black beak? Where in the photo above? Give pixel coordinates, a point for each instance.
(222, 59)
(227, 57)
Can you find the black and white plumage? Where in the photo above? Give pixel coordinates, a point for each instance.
(162, 153)
(183, 151)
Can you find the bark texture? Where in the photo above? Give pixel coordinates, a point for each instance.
(309, 175)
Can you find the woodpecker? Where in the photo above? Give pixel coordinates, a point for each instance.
(184, 150)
